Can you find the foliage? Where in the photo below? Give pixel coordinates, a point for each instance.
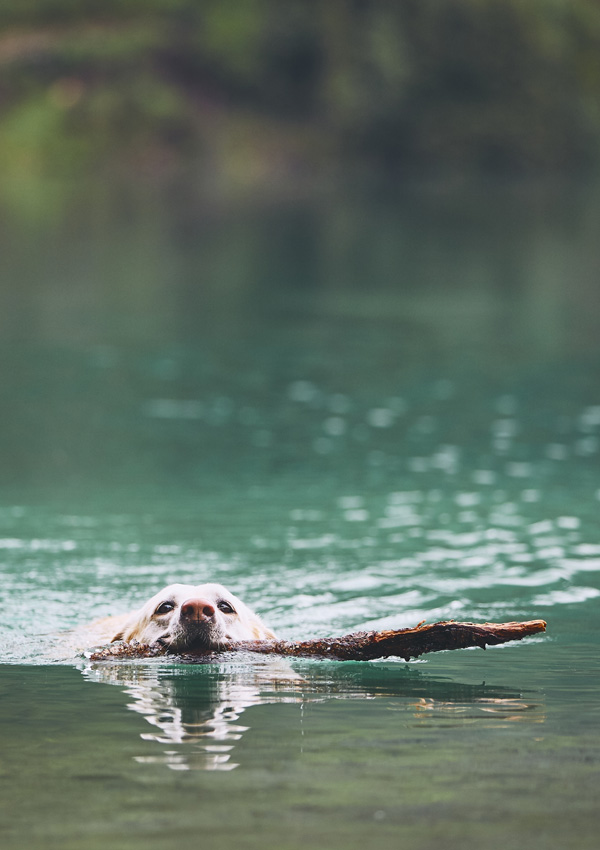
(249, 86)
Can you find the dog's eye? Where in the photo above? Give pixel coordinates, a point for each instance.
(225, 607)
(165, 607)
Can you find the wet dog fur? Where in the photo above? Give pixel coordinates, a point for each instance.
(184, 617)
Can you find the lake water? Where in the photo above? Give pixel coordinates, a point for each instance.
(355, 412)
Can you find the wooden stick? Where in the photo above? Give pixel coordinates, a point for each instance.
(359, 646)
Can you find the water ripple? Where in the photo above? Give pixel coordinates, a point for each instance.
(340, 563)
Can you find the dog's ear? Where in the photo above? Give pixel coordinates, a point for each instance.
(262, 632)
(123, 625)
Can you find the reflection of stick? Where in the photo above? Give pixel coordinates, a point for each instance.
(361, 646)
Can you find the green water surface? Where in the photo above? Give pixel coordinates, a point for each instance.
(355, 412)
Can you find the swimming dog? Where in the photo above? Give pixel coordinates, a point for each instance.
(184, 617)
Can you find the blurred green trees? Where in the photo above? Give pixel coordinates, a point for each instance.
(271, 90)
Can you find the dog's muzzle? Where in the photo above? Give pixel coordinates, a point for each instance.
(198, 627)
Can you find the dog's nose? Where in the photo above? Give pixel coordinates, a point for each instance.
(197, 609)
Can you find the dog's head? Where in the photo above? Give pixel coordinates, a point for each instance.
(184, 617)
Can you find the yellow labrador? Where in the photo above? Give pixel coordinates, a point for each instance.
(183, 617)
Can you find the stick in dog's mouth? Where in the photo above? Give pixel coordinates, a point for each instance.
(199, 619)
(360, 646)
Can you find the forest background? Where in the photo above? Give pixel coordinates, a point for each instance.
(280, 97)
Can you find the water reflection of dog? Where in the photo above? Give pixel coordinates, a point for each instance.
(199, 706)
(195, 710)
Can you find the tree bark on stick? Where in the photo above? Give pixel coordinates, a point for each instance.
(359, 646)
